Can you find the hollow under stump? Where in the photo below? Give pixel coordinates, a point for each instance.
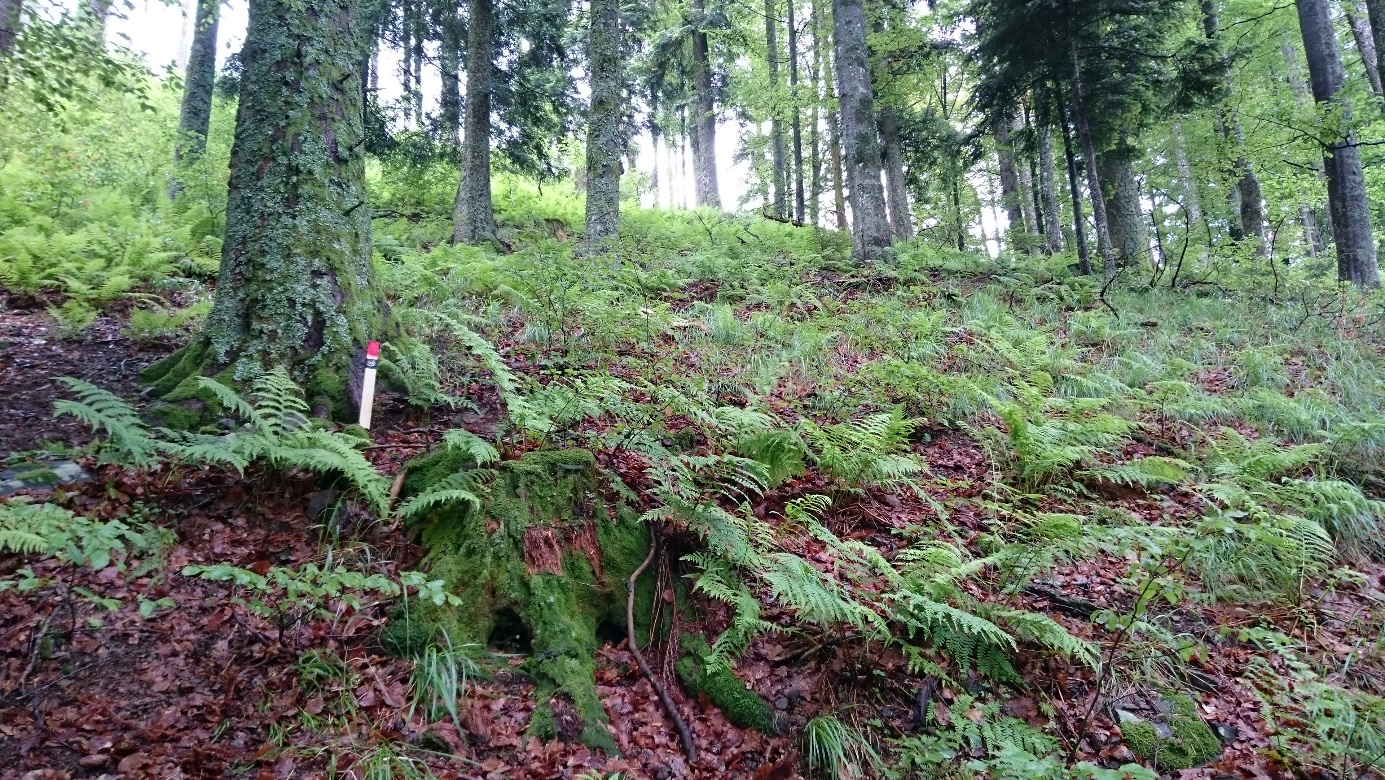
(544, 547)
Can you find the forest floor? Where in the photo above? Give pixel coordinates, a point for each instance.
(144, 672)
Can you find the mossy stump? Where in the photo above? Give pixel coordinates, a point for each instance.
(1182, 741)
(545, 548)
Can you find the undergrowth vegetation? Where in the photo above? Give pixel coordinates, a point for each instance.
(766, 402)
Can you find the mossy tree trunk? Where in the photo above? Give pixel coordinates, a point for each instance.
(11, 14)
(870, 226)
(704, 114)
(296, 287)
(542, 547)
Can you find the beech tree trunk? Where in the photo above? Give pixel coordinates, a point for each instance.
(1358, 17)
(1346, 185)
(1024, 166)
(604, 143)
(870, 227)
(705, 116)
(778, 205)
(11, 17)
(1247, 202)
(797, 120)
(1048, 187)
(196, 116)
(901, 220)
(1126, 217)
(815, 137)
(296, 286)
(1375, 11)
(473, 215)
(835, 140)
(1191, 204)
(1084, 134)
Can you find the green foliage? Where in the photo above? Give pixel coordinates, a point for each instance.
(833, 750)
(440, 677)
(1191, 743)
(870, 452)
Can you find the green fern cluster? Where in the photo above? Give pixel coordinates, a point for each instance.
(871, 452)
(277, 429)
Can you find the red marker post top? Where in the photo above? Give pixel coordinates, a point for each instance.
(372, 354)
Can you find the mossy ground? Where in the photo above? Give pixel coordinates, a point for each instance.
(547, 548)
(1192, 743)
(741, 705)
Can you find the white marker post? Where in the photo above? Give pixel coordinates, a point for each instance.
(372, 359)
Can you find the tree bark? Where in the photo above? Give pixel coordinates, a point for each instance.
(1125, 216)
(449, 64)
(604, 142)
(870, 228)
(705, 116)
(1084, 134)
(1358, 17)
(797, 119)
(1247, 202)
(901, 220)
(196, 116)
(1346, 185)
(296, 286)
(1375, 11)
(473, 214)
(1079, 228)
(1010, 196)
(815, 137)
(835, 140)
(1048, 187)
(1191, 204)
(11, 18)
(1028, 198)
(778, 174)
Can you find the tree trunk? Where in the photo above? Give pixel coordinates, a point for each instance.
(449, 63)
(1084, 134)
(97, 13)
(901, 220)
(406, 65)
(835, 140)
(778, 205)
(1048, 186)
(1359, 20)
(196, 116)
(1191, 204)
(705, 115)
(473, 214)
(1010, 196)
(815, 137)
(1079, 227)
(798, 198)
(1124, 213)
(870, 227)
(604, 143)
(1247, 202)
(1028, 198)
(1375, 10)
(296, 286)
(11, 17)
(1346, 185)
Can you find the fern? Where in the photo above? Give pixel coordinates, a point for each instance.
(128, 439)
(871, 452)
(1146, 472)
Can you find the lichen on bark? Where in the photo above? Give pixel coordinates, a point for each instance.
(545, 547)
(296, 286)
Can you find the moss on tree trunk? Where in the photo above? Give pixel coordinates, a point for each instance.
(296, 286)
(544, 547)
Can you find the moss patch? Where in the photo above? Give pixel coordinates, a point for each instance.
(1191, 743)
(741, 705)
(545, 546)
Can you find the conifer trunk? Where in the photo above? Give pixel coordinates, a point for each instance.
(1346, 184)
(1084, 135)
(1124, 213)
(1029, 199)
(704, 115)
(1048, 187)
(1375, 11)
(1010, 196)
(449, 66)
(604, 142)
(870, 228)
(296, 286)
(1079, 228)
(473, 215)
(901, 219)
(195, 119)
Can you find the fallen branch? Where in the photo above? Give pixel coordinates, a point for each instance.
(683, 734)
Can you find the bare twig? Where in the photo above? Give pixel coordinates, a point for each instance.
(683, 734)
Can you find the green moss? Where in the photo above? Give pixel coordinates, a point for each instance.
(167, 374)
(741, 705)
(544, 546)
(1192, 743)
(178, 416)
